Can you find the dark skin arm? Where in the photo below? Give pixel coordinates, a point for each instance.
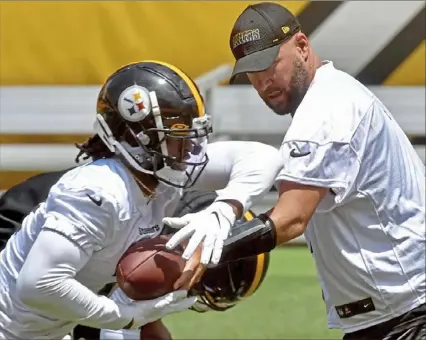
(155, 331)
(295, 207)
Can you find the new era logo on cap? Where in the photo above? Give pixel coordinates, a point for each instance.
(257, 35)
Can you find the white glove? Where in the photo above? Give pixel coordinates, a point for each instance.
(143, 312)
(209, 227)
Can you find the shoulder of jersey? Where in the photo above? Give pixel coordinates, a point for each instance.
(331, 110)
(106, 179)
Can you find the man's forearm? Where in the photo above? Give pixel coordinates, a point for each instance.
(46, 283)
(254, 237)
(261, 235)
(73, 301)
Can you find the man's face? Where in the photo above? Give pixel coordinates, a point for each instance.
(283, 85)
(180, 150)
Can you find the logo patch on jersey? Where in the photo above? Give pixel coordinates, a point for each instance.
(295, 154)
(354, 308)
(97, 201)
(134, 103)
(149, 230)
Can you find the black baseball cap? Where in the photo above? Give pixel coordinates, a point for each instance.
(258, 34)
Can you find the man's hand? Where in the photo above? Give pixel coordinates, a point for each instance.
(143, 312)
(209, 227)
(192, 272)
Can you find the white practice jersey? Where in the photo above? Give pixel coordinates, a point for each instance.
(110, 213)
(367, 235)
(100, 208)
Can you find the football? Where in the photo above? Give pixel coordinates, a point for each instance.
(148, 270)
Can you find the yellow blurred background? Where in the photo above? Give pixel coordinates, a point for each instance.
(82, 42)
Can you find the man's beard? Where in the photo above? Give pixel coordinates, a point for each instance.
(298, 88)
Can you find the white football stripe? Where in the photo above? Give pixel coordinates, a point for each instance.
(37, 157)
(358, 30)
(59, 157)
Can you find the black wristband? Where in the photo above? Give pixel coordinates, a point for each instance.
(254, 237)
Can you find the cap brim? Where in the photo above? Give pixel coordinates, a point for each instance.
(255, 62)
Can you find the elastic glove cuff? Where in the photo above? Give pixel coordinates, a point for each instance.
(127, 318)
(225, 209)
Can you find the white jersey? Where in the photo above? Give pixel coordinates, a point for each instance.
(367, 235)
(123, 217)
(100, 208)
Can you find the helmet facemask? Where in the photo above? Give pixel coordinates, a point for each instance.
(172, 153)
(218, 290)
(223, 286)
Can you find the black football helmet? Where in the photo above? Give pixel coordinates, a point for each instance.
(142, 109)
(223, 286)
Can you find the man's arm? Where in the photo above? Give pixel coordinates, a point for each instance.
(46, 283)
(295, 207)
(287, 220)
(153, 331)
(80, 221)
(75, 226)
(240, 172)
(303, 182)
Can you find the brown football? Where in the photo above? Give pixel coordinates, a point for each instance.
(148, 270)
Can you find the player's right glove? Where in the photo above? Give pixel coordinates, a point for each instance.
(140, 313)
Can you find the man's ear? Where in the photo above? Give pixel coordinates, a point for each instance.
(302, 45)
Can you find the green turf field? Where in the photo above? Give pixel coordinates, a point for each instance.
(288, 305)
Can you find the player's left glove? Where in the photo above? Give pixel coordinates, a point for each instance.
(209, 227)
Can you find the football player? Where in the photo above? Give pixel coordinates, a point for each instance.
(219, 289)
(351, 182)
(150, 145)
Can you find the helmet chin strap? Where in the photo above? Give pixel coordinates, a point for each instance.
(173, 176)
(131, 153)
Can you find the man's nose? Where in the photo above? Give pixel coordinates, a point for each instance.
(188, 145)
(264, 80)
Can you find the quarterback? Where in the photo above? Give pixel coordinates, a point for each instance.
(351, 182)
(150, 145)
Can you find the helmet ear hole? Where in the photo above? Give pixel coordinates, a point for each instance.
(144, 138)
(157, 161)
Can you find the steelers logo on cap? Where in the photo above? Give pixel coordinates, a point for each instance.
(134, 103)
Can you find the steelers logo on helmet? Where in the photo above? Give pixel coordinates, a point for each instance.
(134, 103)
